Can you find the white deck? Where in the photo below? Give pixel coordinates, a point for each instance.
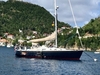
(43, 48)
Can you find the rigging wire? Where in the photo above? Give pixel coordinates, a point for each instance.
(77, 31)
(90, 56)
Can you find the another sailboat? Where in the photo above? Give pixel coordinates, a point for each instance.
(45, 52)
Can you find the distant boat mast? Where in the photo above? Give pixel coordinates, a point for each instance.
(55, 7)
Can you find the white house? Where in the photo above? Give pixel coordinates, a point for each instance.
(3, 42)
(10, 36)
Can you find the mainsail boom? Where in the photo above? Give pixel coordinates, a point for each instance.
(48, 38)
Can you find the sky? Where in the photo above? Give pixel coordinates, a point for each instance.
(84, 10)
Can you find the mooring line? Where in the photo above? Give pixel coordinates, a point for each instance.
(90, 56)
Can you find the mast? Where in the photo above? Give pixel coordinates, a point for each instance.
(55, 7)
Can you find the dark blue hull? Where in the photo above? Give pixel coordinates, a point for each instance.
(66, 55)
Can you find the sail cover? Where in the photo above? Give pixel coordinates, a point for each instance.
(48, 38)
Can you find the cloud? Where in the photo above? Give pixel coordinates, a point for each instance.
(3, 0)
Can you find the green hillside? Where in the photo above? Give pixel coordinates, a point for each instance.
(92, 30)
(90, 34)
(15, 15)
(93, 27)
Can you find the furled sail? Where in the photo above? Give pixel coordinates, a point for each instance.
(48, 38)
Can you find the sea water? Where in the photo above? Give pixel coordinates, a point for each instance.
(10, 65)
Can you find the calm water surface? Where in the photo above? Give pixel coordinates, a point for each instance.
(10, 65)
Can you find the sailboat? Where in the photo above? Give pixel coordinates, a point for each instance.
(45, 52)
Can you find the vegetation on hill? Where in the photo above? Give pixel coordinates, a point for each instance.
(93, 29)
(15, 15)
(90, 36)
